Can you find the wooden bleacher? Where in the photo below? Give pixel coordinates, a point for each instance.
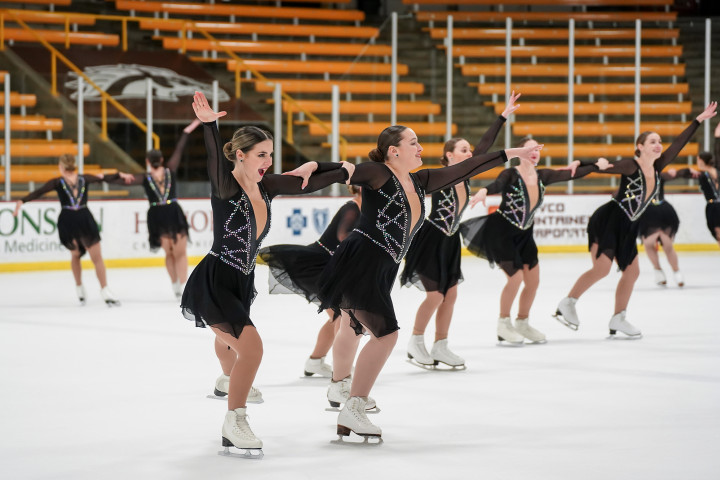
(346, 86)
(597, 108)
(364, 129)
(580, 70)
(61, 37)
(246, 47)
(364, 107)
(553, 33)
(317, 67)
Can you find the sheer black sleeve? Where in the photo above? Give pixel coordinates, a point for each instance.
(347, 222)
(137, 180)
(372, 175)
(174, 160)
(550, 176)
(219, 168)
(291, 185)
(489, 137)
(433, 180)
(674, 149)
(624, 166)
(680, 174)
(502, 180)
(716, 149)
(49, 186)
(89, 179)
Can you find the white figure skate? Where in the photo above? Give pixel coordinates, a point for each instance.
(679, 278)
(417, 353)
(660, 278)
(619, 324)
(533, 335)
(80, 290)
(566, 313)
(506, 333)
(352, 418)
(236, 433)
(222, 387)
(177, 289)
(339, 393)
(317, 366)
(440, 353)
(109, 297)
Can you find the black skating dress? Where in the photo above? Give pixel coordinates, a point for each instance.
(614, 226)
(505, 237)
(165, 218)
(221, 288)
(361, 272)
(711, 191)
(432, 263)
(660, 215)
(76, 225)
(297, 268)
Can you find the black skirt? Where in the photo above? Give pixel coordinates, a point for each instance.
(659, 218)
(358, 279)
(77, 229)
(614, 233)
(712, 216)
(296, 269)
(165, 221)
(219, 295)
(432, 263)
(499, 242)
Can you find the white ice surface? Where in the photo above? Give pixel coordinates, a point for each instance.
(97, 393)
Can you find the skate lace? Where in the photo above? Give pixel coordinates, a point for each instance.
(254, 392)
(242, 428)
(358, 411)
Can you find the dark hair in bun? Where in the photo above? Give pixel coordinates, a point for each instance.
(390, 137)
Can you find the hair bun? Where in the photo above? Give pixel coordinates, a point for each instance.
(376, 156)
(228, 151)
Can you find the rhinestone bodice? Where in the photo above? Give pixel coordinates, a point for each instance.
(446, 210)
(69, 199)
(709, 188)
(157, 195)
(515, 203)
(632, 192)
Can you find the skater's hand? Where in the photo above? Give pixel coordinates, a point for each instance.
(603, 163)
(523, 153)
(350, 167)
(694, 173)
(195, 123)
(203, 111)
(709, 112)
(671, 172)
(18, 204)
(511, 107)
(303, 171)
(572, 167)
(128, 178)
(480, 196)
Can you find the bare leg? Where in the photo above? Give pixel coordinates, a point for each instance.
(181, 261)
(325, 337)
(509, 292)
(225, 355)
(444, 314)
(96, 257)
(76, 266)
(249, 350)
(600, 268)
(425, 311)
(651, 248)
(370, 362)
(167, 245)
(531, 279)
(625, 286)
(344, 348)
(669, 249)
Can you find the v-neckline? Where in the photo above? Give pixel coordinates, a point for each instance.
(411, 228)
(526, 190)
(253, 224)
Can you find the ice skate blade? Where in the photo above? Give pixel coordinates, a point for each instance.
(343, 432)
(438, 367)
(558, 316)
(246, 453)
(372, 411)
(224, 397)
(504, 343)
(624, 336)
(112, 303)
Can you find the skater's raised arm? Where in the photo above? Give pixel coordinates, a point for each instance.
(491, 134)
(681, 140)
(174, 160)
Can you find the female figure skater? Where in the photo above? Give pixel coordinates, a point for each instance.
(77, 228)
(297, 269)
(505, 237)
(361, 272)
(613, 228)
(710, 186)
(220, 289)
(658, 226)
(433, 262)
(166, 222)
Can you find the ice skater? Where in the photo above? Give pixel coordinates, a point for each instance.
(710, 186)
(432, 263)
(166, 222)
(221, 288)
(658, 226)
(613, 228)
(358, 280)
(505, 237)
(76, 226)
(297, 269)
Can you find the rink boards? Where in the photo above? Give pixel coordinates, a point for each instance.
(30, 240)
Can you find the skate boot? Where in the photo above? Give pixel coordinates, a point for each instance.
(236, 433)
(222, 387)
(506, 332)
(177, 289)
(317, 366)
(523, 328)
(109, 297)
(416, 351)
(339, 392)
(618, 323)
(566, 313)
(441, 353)
(660, 278)
(352, 418)
(679, 278)
(80, 290)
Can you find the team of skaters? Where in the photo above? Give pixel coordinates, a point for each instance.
(350, 270)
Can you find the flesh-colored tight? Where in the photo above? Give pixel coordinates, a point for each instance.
(96, 257)
(531, 278)
(176, 257)
(442, 307)
(241, 361)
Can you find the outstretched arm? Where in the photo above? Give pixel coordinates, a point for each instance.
(575, 171)
(174, 160)
(322, 175)
(681, 140)
(49, 186)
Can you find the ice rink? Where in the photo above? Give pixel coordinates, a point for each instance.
(98, 393)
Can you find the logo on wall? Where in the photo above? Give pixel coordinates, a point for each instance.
(124, 81)
(320, 219)
(296, 221)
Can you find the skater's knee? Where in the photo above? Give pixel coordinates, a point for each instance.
(450, 296)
